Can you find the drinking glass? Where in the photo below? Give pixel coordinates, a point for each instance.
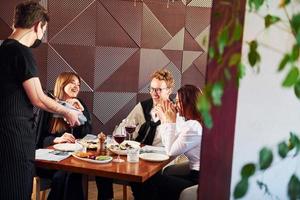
(119, 137)
(130, 127)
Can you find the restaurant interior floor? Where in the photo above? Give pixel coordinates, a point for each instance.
(118, 192)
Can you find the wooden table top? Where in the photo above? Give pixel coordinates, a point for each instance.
(134, 172)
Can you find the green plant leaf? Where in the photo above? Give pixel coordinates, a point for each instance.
(227, 74)
(283, 62)
(283, 149)
(294, 187)
(271, 19)
(298, 37)
(241, 188)
(255, 4)
(253, 55)
(207, 119)
(294, 142)
(234, 59)
(203, 103)
(265, 158)
(238, 30)
(295, 23)
(297, 89)
(248, 170)
(253, 58)
(217, 93)
(291, 77)
(211, 52)
(241, 71)
(295, 53)
(223, 40)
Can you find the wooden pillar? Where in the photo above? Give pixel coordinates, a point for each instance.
(217, 143)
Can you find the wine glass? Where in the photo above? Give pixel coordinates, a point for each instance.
(119, 137)
(130, 127)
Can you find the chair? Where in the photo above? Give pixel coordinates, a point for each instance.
(189, 193)
(40, 185)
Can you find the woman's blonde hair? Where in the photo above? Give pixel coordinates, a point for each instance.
(58, 124)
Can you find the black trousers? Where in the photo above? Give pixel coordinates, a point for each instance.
(161, 187)
(64, 186)
(105, 188)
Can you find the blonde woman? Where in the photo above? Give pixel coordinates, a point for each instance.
(54, 129)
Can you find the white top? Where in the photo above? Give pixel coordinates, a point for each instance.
(138, 115)
(183, 137)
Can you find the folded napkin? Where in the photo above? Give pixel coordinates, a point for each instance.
(153, 149)
(51, 155)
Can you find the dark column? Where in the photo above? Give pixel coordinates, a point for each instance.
(217, 143)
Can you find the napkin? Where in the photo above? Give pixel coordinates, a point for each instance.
(51, 155)
(153, 149)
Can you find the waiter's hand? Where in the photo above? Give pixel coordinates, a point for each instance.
(72, 117)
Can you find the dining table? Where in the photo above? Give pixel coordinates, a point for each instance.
(123, 172)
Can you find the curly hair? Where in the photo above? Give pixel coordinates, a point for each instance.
(29, 13)
(164, 75)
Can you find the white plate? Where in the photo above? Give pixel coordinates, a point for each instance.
(93, 161)
(90, 144)
(68, 147)
(123, 151)
(155, 157)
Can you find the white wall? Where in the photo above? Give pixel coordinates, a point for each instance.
(266, 112)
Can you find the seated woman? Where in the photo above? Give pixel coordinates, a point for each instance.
(54, 130)
(181, 133)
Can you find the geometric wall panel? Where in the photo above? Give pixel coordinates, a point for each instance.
(177, 76)
(83, 66)
(108, 60)
(176, 43)
(167, 15)
(109, 31)
(203, 38)
(188, 58)
(201, 3)
(190, 75)
(7, 11)
(114, 99)
(63, 12)
(5, 29)
(125, 78)
(195, 25)
(154, 34)
(200, 63)
(80, 31)
(56, 65)
(129, 17)
(175, 57)
(151, 60)
(190, 44)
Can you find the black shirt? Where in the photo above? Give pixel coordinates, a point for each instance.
(16, 65)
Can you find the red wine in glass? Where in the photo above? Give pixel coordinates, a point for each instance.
(130, 129)
(119, 138)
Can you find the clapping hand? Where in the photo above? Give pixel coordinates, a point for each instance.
(166, 112)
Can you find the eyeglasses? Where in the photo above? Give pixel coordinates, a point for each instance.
(157, 90)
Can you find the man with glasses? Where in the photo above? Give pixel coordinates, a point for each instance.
(161, 86)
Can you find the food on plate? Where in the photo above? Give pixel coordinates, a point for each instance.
(103, 158)
(89, 144)
(83, 154)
